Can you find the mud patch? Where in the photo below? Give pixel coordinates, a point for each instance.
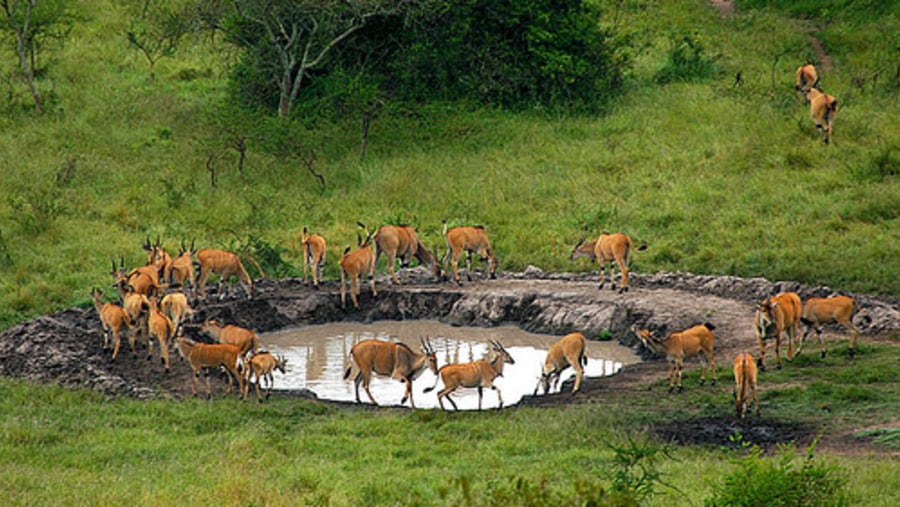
(728, 431)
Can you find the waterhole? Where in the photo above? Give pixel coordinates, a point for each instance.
(317, 357)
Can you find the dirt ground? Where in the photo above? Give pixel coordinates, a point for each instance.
(66, 347)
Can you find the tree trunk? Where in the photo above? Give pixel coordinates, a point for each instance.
(21, 32)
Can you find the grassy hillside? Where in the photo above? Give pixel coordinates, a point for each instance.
(715, 178)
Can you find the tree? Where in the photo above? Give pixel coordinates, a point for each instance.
(157, 30)
(286, 41)
(19, 21)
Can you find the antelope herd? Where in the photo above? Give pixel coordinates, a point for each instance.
(155, 302)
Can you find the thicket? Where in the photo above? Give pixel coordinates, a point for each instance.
(506, 53)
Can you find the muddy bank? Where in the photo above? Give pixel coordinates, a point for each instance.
(66, 347)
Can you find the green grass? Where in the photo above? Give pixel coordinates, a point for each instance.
(63, 447)
(716, 179)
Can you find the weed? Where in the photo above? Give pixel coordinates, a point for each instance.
(780, 481)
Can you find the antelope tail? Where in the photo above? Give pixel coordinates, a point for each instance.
(347, 371)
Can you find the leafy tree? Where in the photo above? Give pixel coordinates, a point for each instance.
(157, 29)
(286, 42)
(512, 53)
(32, 25)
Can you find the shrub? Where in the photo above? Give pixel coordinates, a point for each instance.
(688, 60)
(779, 481)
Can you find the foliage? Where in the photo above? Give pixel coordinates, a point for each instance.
(286, 43)
(826, 9)
(157, 30)
(507, 53)
(634, 472)
(688, 60)
(779, 481)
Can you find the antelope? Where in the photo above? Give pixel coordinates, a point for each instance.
(837, 309)
(157, 256)
(162, 327)
(353, 264)
(396, 360)
(401, 241)
(745, 374)
(142, 280)
(567, 351)
(225, 264)
(678, 346)
(313, 256)
(470, 240)
(807, 78)
(606, 249)
(204, 355)
(175, 306)
(478, 374)
(263, 365)
(137, 306)
(113, 319)
(783, 313)
(180, 270)
(823, 109)
(244, 339)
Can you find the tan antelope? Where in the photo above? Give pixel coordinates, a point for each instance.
(160, 326)
(807, 78)
(143, 280)
(244, 339)
(478, 374)
(157, 256)
(202, 356)
(263, 365)
(179, 271)
(823, 109)
(837, 310)
(175, 306)
(137, 306)
(226, 265)
(471, 240)
(314, 254)
(606, 249)
(567, 351)
(395, 360)
(402, 242)
(113, 320)
(745, 374)
(782, 313)
(678, 346)
(353, 265)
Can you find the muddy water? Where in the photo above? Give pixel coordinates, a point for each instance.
(317, 358)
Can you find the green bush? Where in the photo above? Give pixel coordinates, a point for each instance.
(782, 480)
(688, 60)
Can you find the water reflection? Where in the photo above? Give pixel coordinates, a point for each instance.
(317, 359)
